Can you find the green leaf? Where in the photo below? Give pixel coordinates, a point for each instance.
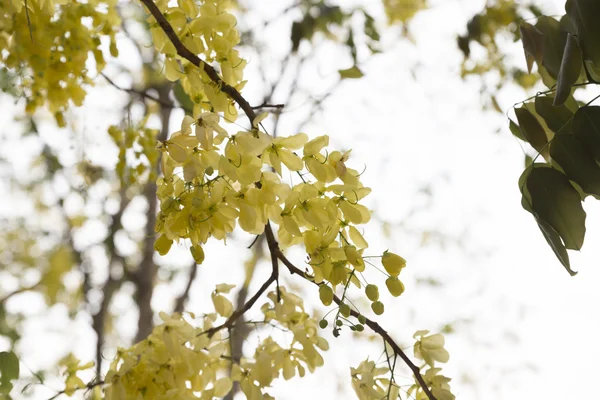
(533, 44)
(532, 130)
(570, 68)
(558, 118)
(586, 126)
(576, 161)
(554, 44)
(515, 130)
(556, 202)
(351, 73)
(585, 15)
(556, 244)
(9, 370)
(369, 28)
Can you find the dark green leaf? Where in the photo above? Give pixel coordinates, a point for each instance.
(576, 161)
(514, 129)
(351, 73)
(532, 130)
(9, 370)
(570, 68)
(533, 44)
(586, 126)
(585, 15)
(556, 202)
(553, 239)
(554, 44)
(557, 118)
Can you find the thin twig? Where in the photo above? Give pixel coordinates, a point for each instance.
(16, 292)
(375, 327)
(143, 94)
(264, 105)
(241, 311)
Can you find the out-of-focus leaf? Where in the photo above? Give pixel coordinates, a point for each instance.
(533, 44)
(351, 73)
(351, 45)
(586, 126)
(570, 68)
(585, 15)
(554, 44)
(553, 199)
(370, 28)
(558, 118)
(296, 35)
(9, 370)
(576, 161)
(532, 131)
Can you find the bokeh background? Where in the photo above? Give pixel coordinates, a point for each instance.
(443, 167)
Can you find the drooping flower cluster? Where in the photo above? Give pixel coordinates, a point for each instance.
(181, 361)
(214, 181)
(46, 43)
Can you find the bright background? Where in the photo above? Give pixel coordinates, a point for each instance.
(445, 196)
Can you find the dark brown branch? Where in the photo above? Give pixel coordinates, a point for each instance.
(241, 311)
(145, 275)
(180, 302)
(143, 94)
(264, 105)
(240, 331)
(375, 327)
(112, 284)
(184, 52)
(16, 292)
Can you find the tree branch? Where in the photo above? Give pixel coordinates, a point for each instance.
(180, 302)
(143, 94)
(16, 292)
(276, 253)
(375, 327)
(146, 273)
(247, 306)
(112, 284)
(184, 52)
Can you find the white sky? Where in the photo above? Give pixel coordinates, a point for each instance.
(524, 329)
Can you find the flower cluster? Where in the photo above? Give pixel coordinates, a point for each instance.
(206, 29)
(214, 181)
(181, 361)
(47, 43)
